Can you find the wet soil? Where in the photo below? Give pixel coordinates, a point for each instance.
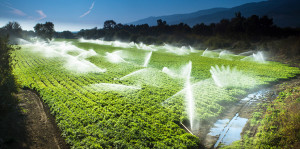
(29, 125)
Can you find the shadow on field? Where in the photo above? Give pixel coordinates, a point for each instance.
(26, 123)
(13, 133)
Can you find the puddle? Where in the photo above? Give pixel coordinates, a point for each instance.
(229, 128)
(228, 131)
(255, 96)
(218, 127)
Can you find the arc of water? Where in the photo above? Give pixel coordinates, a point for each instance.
(189, 95)
(204, 52)
(147, 59)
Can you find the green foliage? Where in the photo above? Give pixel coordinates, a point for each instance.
(7, 79)
(44, 31)
(146, 118)
(7, 84)
(12, 30)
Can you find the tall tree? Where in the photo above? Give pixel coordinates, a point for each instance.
(109, 24)
(45, 31)
(13, 30)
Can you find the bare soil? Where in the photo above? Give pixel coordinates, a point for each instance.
(28, 124)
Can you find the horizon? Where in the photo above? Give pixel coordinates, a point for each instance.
(82, 14)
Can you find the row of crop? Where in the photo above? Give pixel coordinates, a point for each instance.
(78, 116)
(90, 118)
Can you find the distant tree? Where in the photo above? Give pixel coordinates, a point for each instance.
(64, 34)
(45, 31)
(123, 35)
(202, 29)
(223, 26)
(266, 25)
(67, 35)
(109, 24)
(161, 22)
(237, 23)
(119, 26)
(13, 30)
(253, 26)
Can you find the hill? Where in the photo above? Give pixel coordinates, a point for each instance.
(284, 13)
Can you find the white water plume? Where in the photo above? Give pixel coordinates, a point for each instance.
(81, 65)
(176, 50)
(143, 46)
(22, 41)
(171, 73)
(111, 43)
(53, 49)
(189, 95)
(188, 92)
(95, 41)
(208, 53)
(225, 55)
(204, 52)
(61, 49)
(141, 71)
(257, 57)
(204, 93)
(114, 57)
(123, 44)
(227, 77)
(147, 59)
(86, 54)
(247, 53)
(192, 50)
(168, 48)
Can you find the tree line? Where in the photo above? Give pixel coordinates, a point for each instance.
(253, 28)
(237, 32)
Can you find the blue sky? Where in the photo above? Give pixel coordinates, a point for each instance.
(74, 15)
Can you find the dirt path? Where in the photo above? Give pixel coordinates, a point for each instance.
(29, 125)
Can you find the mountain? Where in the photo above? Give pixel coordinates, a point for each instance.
(173, 19)
(285, 13)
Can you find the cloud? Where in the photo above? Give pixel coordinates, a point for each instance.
(42, 14)
(86, 13)
(17, 11)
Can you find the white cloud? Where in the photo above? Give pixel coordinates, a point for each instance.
(86, 13)
(17, 11)
(42, 14)
(92, 6)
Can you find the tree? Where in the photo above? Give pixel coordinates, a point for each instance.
(45, 31)
(13, 30)
(237, 23)
(161, 23)
(64, 34)
(109, 24)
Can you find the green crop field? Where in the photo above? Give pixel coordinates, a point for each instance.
(106, 95)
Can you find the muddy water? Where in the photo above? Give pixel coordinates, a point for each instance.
(229, 127)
